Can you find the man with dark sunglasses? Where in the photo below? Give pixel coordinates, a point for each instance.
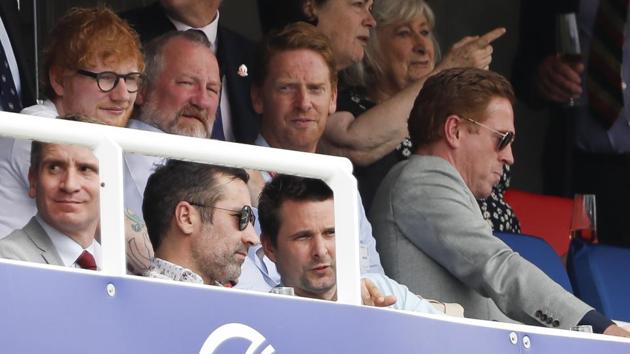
(429, 228)
(200, 222)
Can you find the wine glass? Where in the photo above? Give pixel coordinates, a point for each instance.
(584, 219)
(568, 43)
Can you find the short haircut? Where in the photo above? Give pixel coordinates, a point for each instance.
(461, 91)
(38, 146)
(387, 12)
(296, 36)
(154, 51)
(85, 35)
(177, 181)
(283, 188)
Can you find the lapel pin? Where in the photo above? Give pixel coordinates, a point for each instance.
(242, 71)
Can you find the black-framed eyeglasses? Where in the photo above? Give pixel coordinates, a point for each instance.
(245, 215)
(108, 80)
(505, 138)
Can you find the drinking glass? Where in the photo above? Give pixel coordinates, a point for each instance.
(568, 43)
(584, 219)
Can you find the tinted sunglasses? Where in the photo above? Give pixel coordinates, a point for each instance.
(245, 215)
(505, 138)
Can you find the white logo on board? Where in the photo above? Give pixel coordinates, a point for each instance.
(235, 330)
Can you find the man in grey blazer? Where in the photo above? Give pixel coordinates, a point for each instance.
(429, 229)
(65, 185)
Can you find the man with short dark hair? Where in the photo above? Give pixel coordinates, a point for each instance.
(65, 185)
(298, 234)
(200, 222)
(429, 227)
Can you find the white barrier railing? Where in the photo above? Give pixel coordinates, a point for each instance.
(108, 143)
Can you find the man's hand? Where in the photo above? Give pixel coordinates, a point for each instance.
(559, 80)
(614, 330)
(372, 296)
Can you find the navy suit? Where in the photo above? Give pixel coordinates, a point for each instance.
(232, 51)
(19, 42)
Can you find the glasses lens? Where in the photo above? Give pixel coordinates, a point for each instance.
(247, 216)
(107, 81)
(506, 140)
(133, 82)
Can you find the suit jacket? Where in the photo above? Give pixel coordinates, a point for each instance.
(11, 20)
(232, 51)
(31, 243)
(432, 237)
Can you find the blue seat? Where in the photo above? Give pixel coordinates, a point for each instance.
(599, 274)
(540, 253)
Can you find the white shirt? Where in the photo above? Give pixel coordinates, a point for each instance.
(67, 248)
(210, 30)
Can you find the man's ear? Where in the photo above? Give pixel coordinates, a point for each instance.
(55, 78)
(452, 130)
(32, 182)
(257, 99)
(332, 107)
(269, 249)
(186, 216)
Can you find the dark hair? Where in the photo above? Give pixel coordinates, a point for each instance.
(299, 35)
(283, 188)
(154, 51)
(461, 91)
(177, 181)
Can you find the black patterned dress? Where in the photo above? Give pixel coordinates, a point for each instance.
(496, 211)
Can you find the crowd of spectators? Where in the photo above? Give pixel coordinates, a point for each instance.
(429, 135)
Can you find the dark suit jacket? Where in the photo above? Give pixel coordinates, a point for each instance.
(232, 51)
(19, 42)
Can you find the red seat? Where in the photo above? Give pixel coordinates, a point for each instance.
(543, 215)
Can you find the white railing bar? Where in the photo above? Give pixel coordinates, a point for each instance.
(335, 171)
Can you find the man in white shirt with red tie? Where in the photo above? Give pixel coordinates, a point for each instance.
(64, 181)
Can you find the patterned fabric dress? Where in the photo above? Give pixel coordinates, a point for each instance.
(496, 211)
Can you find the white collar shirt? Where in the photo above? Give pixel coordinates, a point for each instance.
(67, 248)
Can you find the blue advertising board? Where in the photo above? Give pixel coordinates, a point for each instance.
(57, 310)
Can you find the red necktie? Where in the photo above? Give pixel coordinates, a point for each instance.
(605, 60)
(86, 261)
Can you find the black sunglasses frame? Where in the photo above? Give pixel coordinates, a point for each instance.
(505, 138)
(245, 215)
